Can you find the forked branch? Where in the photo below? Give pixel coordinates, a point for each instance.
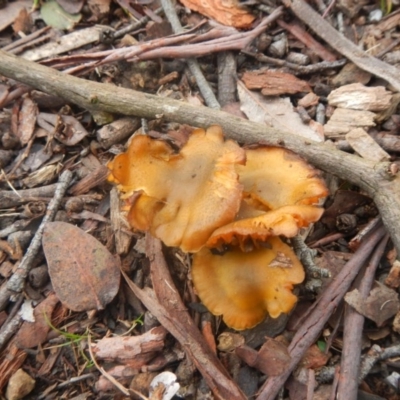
(375, 178)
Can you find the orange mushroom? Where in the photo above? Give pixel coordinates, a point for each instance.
(279, 190)
(274, 177)
(285, 221)
(180, 198)
(245, 287)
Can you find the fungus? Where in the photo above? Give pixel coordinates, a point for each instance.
(245, 287)
(279, 190)
(274, 177)
(285, 221)
(180, 198)
(209, 195)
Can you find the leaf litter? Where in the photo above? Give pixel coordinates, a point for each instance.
(41, 138)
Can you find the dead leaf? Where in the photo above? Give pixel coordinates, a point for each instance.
(99, 8)
(31, 334)
(314, 358)
(225, 12)
(274, 83)
(272, 359)
(11, 12)
(54, 15)
(344, 202)
(381, 304)
(23, 23)
(277, 113)
(84, 274)
(66, 129)
(27, 120)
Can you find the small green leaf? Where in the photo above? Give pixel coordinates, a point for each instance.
(321, 345)
(55, 16)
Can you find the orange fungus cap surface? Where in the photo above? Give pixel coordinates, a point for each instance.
(245, 287)
(182, 197)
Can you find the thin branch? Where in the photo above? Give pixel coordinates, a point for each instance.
(374, 178)
(194, 67)
(320, 312)
(342, 45)
(17, 281)
(166, 305)
(353, 328)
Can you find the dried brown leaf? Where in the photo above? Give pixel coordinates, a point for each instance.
(11, 12)
(84, 274)
(225, 12)
(314, 358)
(381, 304)
(272, 359)
(66, 128)
(31, 334)
(27, 120)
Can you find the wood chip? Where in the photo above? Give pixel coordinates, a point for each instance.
(366, 146)
(344, 120)
(66, 43)
(274, 83)
(359, 97)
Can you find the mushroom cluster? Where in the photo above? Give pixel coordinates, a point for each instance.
(228, 206)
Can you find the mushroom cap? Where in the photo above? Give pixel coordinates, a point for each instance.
(182, 197)
(245, 287)
(274, 177)
(285, 221)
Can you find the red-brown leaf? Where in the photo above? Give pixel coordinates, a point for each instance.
(32, 334)
(83, 272)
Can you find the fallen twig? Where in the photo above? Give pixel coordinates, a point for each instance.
(320, 312)
(194, 67)
(375, 178)
(342, 45)
(17, 282)
(353, 328)
(166, 305)
(297, 69)
(12, 323)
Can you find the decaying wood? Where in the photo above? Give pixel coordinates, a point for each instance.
(117, 131)
(377, 179)
(10, 198)
(96, 177)
(122, 237)
(359, 97)
(274, 83)
(343, 120)
(366, 146)
(165, 304)
(135, 351)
